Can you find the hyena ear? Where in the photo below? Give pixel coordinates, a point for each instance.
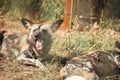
(27, 23)
(56, 25)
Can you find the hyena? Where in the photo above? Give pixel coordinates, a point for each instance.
(94, 65)
(28, 48)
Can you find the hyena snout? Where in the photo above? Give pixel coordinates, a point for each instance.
(37, 34)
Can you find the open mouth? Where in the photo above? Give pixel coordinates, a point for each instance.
(39, 45)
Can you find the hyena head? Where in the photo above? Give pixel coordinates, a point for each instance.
(40, 35)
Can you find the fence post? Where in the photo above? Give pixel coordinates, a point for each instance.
(67, 16)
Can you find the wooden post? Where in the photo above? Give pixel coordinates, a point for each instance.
(74, 9)
(67, 16)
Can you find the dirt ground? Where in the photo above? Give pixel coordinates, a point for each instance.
(11, 70)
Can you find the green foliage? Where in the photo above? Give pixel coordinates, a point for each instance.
(36, 9)
(4, 6)
(14, 8)
(109, 24)
(52, 9)
(76, 43)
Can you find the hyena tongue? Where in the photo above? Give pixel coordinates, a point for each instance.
(39, 45)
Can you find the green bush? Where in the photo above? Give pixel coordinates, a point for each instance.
(52, 9)
(36, 9)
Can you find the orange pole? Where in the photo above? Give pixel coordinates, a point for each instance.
(67, 16)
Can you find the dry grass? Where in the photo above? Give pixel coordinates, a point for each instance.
(14, 71)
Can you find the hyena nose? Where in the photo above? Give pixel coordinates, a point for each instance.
(36, 34)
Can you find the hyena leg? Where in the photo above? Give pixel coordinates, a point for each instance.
(22, 59)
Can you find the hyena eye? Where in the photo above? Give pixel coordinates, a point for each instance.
(35, 30)
(44, 31)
